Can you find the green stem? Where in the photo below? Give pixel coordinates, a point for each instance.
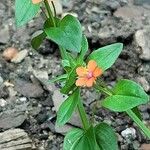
(63, 51)
(50, 14)
(145, 130)
(103, 90)
(83, 116)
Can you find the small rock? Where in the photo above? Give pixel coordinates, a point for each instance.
(1, 80)
(63, 130)
(145, 147)
(28, 89)
(129, 133)
(4, 35)
(15, 139)
(40, 74)
(144, 83)
(129, 12)
(140, 2)
(58, 98)
(23, 99)
(12, 118)
(2, 102)
(20, 56)
(142, 38)
(10, 53)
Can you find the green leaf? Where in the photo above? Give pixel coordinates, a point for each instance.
(78, 139)
(129, 88)
(106, 137)
(72, 138)
(61, 77)
(84, 48)
(25, 10)
(87, 141)
(67, 108)
(68, 34)
(37, 40)
(126, 95)
(121, 103)
(70, 82)
(106, 56)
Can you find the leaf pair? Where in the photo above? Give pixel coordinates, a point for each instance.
(101, 137)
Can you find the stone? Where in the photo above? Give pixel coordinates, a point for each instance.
(128, 12)
(9, 53)
(40, 74)
(28, 89)
(129, 133)
(4, 35)
(140, 2)
(15, 139)
(20, 56)
(145, 147)
(12, 118)
(144, 83)
(64, 129)
(1, 80)
(58, 98)
(3, 103)
(142, 38)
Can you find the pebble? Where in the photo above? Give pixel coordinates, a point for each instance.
(142, 38)
(144, 83)
(129, 133)
(28, 89)
(15, 139)
(3, 103)
(145, 147)
(1, 80)
(12, 118)
(10, 53)
(20, 56)
(4, 35)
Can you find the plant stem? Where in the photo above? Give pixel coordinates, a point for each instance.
(103, 90)
(83, 115)
(145, 130)
(49, 11)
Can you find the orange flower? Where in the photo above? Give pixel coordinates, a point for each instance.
(36, 1)
(87, 75)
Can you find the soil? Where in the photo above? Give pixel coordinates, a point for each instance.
(28, 101)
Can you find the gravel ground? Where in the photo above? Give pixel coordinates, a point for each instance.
(28, 102)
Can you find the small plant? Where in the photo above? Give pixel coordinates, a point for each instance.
(82, 72)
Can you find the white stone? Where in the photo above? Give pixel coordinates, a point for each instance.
(129, 132)
(3, 103)
(142, 38)
(20, 56)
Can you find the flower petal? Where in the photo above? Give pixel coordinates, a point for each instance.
(91, 65)
(36, 1)
(90, 82)
(81, 82)
(97, 72)
(81, 71)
